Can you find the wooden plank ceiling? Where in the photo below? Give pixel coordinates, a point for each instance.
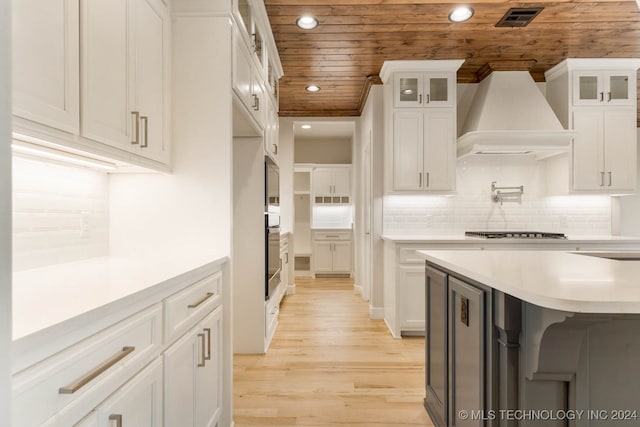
(344, 54)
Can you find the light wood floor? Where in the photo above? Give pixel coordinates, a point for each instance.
(330, 365)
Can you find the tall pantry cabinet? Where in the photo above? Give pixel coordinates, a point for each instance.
(597, 99)
(420, 118)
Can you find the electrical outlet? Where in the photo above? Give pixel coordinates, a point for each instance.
(84, 224)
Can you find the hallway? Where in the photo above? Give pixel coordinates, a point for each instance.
(330, 365)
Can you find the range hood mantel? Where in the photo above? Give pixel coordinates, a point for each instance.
(509, 115)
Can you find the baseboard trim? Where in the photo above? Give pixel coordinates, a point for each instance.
(391, 330)
(376, 312)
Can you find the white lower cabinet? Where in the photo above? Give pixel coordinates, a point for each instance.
(411, 294)
(137, 404)
(193, 375)
(332, 252)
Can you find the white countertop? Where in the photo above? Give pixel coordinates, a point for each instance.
(48, 296)
(461, 238)
(557, 280)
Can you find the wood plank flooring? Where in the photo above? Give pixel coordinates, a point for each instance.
(330, 365)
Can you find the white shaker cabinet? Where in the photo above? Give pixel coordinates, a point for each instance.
(597, 99)
(332, 252)
(124, 75)
(424, 149)
(193, 375)
(247, 81)
(420, 120)
(332, 181)
(604, 151)
(138, 403)
(46, 52)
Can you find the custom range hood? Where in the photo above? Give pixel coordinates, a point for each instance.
(509, 115)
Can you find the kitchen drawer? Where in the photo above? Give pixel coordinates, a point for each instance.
(332, 235)
(187, 307)
(66, 386)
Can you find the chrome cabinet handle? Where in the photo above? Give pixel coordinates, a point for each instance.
(145, 129)
(601, 179)
(420, 99)
(201, 300)
(609, 96)
(331, 235)
(610, 179)
(256, 102)
(601, 96)
(208, 332)
(420, 179)
(85, 379)
(428, 180)
(275, 148)
(117, 418)
(428, 98)
(201, 364)
(135, 127)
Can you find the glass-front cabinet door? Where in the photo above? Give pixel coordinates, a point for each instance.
(603, 88)
(408, 90)
(424, 90)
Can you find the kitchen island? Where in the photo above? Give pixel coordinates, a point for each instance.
(531, 338)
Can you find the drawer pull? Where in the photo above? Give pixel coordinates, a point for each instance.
(330, 236)
(117, 418)
(84, 380)
(202, 354)
(201, 300)
(208, 332)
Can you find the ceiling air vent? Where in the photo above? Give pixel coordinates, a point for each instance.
(519, 17)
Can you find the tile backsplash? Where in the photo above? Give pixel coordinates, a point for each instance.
(60, 213)
(473, 209)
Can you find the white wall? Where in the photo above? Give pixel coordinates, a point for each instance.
(321, 150)
(371, 130)
(629, 210)
(473, 209)
(5, 212)
(190, 209)
(60, 213)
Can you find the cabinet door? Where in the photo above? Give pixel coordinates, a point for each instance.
(408, 128)
(272, 129)
(148, 28)
(620, 88)
(466, 352)
(411, 297)
(208, 402)
(106, 113)
(342, 256)
(241, 70)
(620, 149)
(588, 88)
(341, 181)
(588, 172)
(179, 383)
(407, 90)
(322, 179)
(45, 60)
(439, 90)
(436, 343)
(440, 150)
(323, 257)
(258, 98)
(138, 403)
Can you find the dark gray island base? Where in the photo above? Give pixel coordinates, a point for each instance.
(493, 359)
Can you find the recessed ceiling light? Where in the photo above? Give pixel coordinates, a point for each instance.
(307, 22)
(312, 88)
(461, 14)
(306, 126)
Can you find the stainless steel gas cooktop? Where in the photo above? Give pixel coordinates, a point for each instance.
(514, 235)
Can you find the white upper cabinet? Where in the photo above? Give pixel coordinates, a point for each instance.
(604, 88)
(332, 181)
(435, 89)
(45, 59)
(420, 115)
(124, 75)
(598, 102)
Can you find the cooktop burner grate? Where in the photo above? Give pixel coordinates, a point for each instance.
(514, 235)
